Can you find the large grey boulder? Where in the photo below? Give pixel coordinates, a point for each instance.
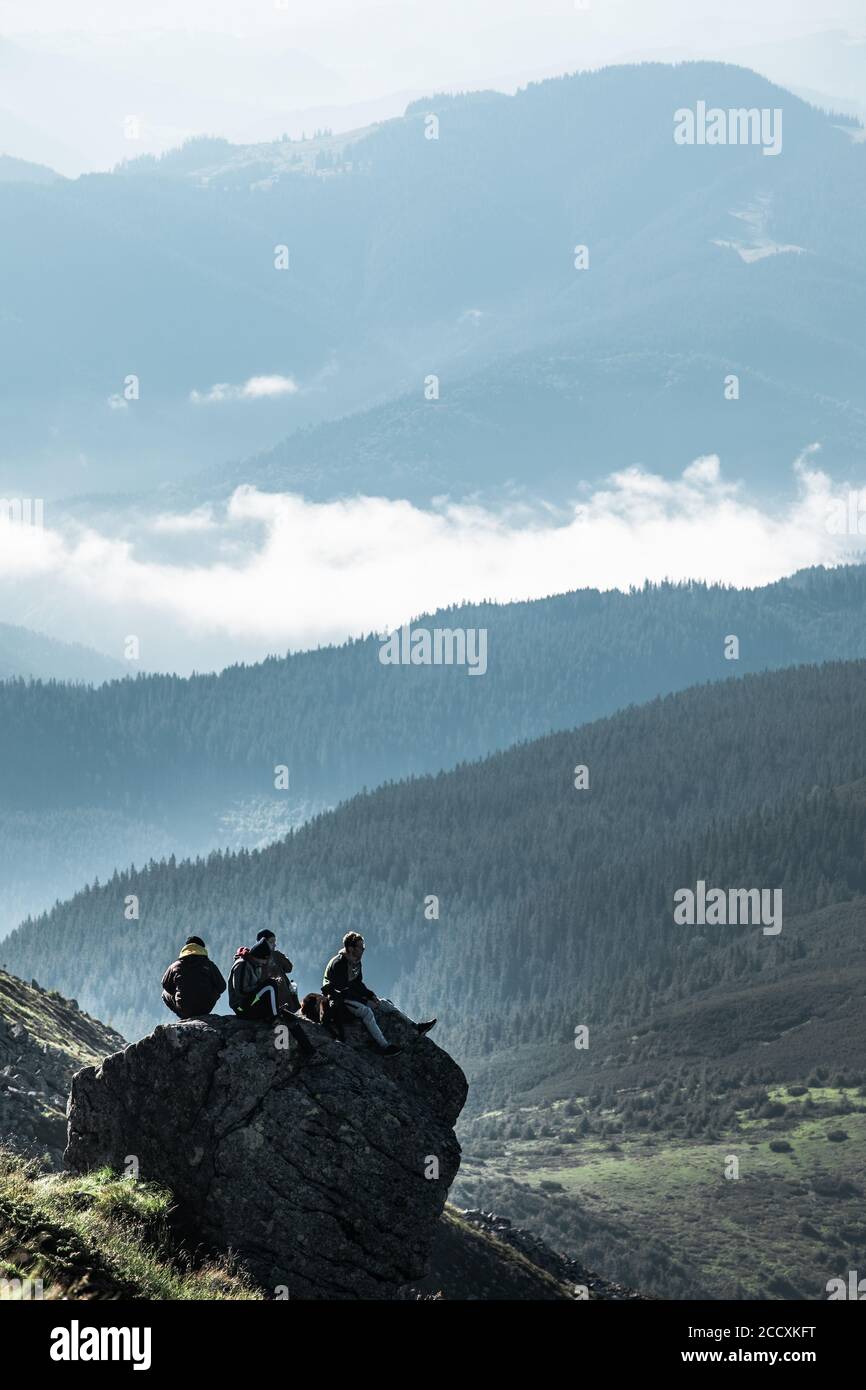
(327, 1176)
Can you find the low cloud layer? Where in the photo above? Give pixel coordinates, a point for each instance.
(258, 388)
(273, 571)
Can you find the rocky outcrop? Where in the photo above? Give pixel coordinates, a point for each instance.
(327, 1176)
(44, 1040)
(576, 1278)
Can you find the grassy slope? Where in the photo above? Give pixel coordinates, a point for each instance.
(99, 1237)
(596, 1170)
(104, 1237)
(666, 1216)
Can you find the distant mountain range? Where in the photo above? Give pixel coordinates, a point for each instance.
(411, 258)
(22, 171)
(538, 424)
(31, 655)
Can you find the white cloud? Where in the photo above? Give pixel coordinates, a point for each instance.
(704, 470)
(274, 571)
(182, 523)
(257, 388)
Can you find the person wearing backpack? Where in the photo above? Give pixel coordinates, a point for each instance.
(280, 968)
(192, 984)
(254, 992)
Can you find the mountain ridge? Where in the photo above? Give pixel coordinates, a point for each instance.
(496, 281)
(175, 765)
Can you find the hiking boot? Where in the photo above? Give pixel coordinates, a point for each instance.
(425, 1027)
(391, 1050)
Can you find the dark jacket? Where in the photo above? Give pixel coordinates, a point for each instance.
(250, 969)
(280, 967)
(193, 983)
(336, 982)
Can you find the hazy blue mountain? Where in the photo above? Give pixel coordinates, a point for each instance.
(30, 141)
(410, 257)
(833, 60)
(540, 423)
(88, 83)
(28, 654)
(160, 764)
(22, 171)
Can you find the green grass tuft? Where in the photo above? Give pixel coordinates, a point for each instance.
(101, 1236)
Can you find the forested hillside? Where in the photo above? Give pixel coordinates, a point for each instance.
(164, 742)
(555, 904)
(142, 768)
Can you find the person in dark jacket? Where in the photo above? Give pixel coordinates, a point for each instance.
(344, 987)
(280, 968)
(254, 992)
(192, 984)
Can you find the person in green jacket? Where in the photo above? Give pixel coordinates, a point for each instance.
(344, 988)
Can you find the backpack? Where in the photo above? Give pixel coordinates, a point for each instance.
(238, 996)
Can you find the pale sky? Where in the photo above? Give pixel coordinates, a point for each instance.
(664, 21)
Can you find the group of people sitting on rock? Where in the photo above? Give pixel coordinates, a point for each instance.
(260, 987)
